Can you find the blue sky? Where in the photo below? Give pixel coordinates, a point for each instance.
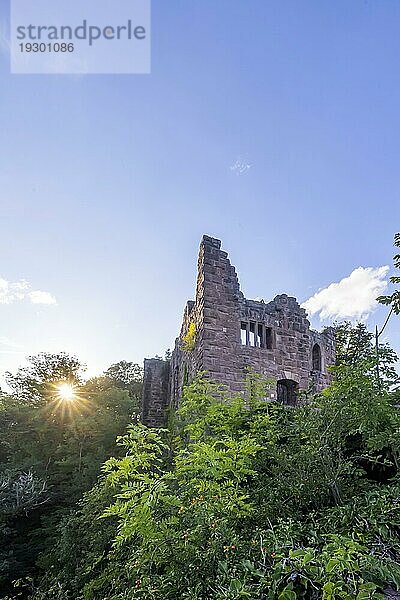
(108, 182)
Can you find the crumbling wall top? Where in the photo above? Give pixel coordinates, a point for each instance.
(210, 241)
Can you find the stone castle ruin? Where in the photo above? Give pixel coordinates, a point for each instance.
(224, 333)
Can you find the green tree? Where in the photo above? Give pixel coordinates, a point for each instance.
(60, 442)
(354, 343)
(393, 300)
(128, 376)
(35, 383)
(357, 347)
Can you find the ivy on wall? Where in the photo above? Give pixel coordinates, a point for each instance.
(189, 340)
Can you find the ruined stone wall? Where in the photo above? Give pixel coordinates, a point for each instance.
(155, 395)
(220, 310)
(186, 363)
(326, 340)
(289, 355)
(233, 333)
(220, 299)
(215, 314)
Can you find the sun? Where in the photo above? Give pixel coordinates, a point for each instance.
(66, 392)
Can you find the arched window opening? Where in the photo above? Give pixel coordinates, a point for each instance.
(286, 391)
(316, 358)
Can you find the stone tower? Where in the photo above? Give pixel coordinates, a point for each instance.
(223, 333)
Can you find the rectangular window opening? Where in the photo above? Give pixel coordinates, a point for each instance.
(252, 334)
(260, 331)
(243, 333)
(256, 335)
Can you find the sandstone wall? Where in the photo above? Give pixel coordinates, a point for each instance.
(156, 390)
(233, 333)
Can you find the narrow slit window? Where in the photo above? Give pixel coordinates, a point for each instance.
(243, 333)
(260, 335)
(252, 334)
(176, 383)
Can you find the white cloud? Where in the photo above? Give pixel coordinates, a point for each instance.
(241, 166)
(5, 341)
(7, 346)
(14, 291)
(354, 297)
(39, 297)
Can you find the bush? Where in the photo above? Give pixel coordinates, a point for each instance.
(244, 498)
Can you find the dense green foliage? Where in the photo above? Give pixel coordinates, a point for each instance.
(51, 450)
(245, 498)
